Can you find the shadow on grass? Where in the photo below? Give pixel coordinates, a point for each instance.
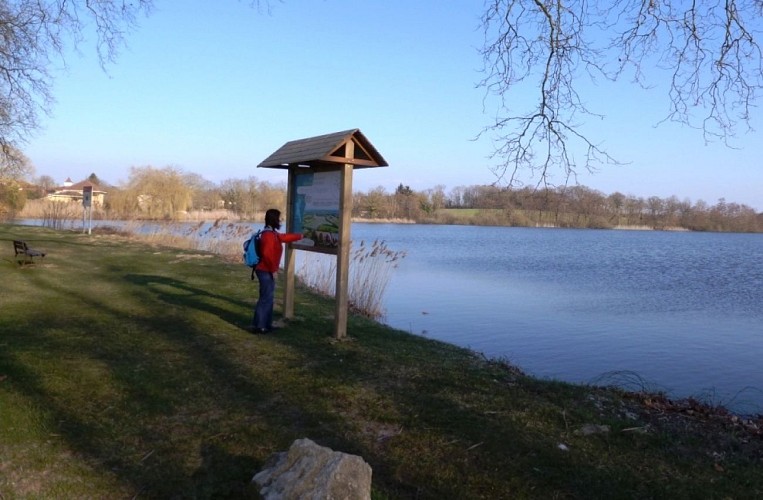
(436, 422)
(175, 292)
(148, 395)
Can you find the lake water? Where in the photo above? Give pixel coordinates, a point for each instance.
(682, 311)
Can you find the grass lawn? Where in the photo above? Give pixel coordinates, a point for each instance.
(126, 371)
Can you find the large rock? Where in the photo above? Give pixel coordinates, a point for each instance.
(310, 471)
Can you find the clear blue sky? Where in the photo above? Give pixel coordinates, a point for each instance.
(215, 87)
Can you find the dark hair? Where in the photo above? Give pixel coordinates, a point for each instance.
(273, 218)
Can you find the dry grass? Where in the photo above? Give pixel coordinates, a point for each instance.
(219, 237)
(371, 269)
(371, 265)
(56, 214)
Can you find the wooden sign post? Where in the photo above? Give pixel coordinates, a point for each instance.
(319, 205)
(87, 207)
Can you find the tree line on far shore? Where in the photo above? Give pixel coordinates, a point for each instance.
(169, 193)
(566, 206)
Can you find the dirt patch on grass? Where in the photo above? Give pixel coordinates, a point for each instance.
(720, 429)
(717, 432)
(187, 257)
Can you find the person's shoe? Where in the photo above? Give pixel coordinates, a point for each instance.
(257, 331)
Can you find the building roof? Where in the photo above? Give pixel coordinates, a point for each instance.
(328, 149)
(79, 185)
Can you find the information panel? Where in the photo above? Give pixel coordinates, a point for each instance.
(315, 210)
(87, 196)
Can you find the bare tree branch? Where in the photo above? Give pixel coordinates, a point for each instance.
(708, 48)
(32, 34)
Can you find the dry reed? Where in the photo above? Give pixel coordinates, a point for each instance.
(53, 214)
(371, 269)
(371, 266)
(219, 237)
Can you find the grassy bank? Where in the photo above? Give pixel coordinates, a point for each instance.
(125, 371)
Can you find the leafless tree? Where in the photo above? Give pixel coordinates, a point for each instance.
(45, 182)
(14, 165)
(708, 48)
(34, 34)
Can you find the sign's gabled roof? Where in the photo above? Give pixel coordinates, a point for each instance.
(326, 149)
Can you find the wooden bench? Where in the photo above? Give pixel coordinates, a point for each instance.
(28, 254)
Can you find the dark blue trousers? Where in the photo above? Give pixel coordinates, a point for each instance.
(263, 311)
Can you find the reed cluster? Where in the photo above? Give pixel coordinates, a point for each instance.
(219, 237)
(53, 214)
(371, 265)
(371, 268)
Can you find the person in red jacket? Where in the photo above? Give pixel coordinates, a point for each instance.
(271, 249)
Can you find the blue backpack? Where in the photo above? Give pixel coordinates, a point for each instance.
(252, 250)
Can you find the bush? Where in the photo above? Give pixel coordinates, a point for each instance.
(12, 199)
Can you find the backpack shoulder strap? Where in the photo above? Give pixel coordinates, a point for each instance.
(253, 241)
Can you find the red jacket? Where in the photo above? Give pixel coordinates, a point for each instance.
(271, 249)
